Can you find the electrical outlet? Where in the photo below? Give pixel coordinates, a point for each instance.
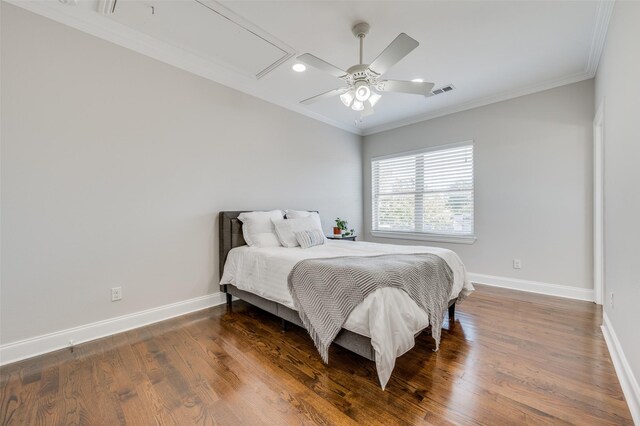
(517, 264)
(611, 300)
(116, 294)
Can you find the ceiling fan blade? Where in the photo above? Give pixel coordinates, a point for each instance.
(398, 49)
(318, 63)
(324, 95)
(413, 87)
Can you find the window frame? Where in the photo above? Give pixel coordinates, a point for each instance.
(424, 236)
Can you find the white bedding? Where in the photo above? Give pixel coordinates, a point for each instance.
(388, 316)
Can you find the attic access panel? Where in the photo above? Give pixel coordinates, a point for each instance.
(207, 29)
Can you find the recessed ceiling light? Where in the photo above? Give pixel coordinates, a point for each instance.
(299, 67)
(417, 80)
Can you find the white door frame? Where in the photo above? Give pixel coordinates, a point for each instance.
(598, 205)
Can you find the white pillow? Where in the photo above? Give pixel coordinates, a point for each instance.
(286, 229)
(295, 214)
(258, 229)
(310, 238)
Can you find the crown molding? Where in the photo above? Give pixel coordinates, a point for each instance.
(77, 17)
(603, 16)
(114, 32)
(475, 103)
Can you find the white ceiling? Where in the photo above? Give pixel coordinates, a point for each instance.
(489, 50)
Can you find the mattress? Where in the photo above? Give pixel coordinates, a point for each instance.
(388, 316)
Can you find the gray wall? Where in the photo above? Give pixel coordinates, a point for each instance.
(533, 182)
(618, 86)
(114, 167)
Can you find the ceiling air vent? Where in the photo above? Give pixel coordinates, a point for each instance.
(442, 89)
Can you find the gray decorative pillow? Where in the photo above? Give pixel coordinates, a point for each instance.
(286, 229)
(310, 238)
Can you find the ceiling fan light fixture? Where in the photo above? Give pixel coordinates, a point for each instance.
(374, 98)
(362, 91)
(357, 105)
(347, 98)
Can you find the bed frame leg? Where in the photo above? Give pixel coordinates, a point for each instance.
(283, 325)
(229, 299)
(452, 312)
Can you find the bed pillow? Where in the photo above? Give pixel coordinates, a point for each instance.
(295, 214)
(258, 229)
(310, 238)
(286, 229)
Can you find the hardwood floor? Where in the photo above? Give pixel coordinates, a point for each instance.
(508, 358)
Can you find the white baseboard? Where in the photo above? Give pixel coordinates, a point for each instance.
(628, 381)
(534, 287)
(16, 351)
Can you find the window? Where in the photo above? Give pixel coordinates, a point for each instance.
(424, 194)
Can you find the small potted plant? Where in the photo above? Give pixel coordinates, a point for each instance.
(342, 229)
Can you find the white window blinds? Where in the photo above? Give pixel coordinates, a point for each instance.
(428, 192)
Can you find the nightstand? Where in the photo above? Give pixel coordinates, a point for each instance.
(349, 238)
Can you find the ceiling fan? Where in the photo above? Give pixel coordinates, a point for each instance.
(363, 80)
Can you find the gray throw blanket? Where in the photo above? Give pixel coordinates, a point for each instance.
(325, 291)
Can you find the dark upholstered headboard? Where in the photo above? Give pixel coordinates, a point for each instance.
(230, 235)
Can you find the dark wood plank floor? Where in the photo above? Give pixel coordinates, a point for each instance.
(508, 358)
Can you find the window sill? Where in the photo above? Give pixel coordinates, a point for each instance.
(425, 237)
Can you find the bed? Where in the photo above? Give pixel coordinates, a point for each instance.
(258, 276)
